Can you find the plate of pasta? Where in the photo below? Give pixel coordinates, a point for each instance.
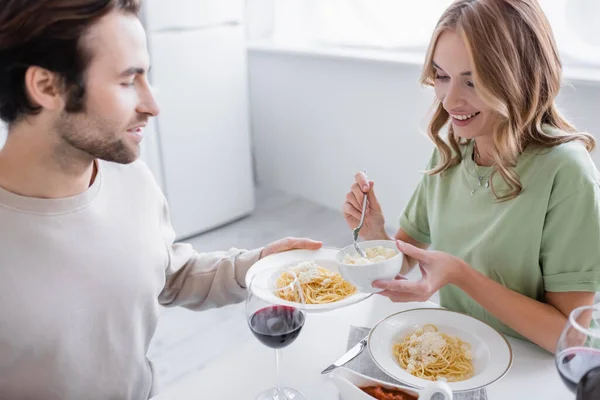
(316, 271)
(429, 344)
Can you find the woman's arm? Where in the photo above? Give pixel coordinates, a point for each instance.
(408, 263)
(539, 322)
(542, 323)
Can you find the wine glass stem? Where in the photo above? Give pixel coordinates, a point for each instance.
(280, 394)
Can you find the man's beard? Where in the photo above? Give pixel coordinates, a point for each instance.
(95, 136)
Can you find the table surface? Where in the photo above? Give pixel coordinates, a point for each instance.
(249, 367)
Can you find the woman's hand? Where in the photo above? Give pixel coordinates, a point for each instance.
(374, 224)
(438, 269)
(540, 322)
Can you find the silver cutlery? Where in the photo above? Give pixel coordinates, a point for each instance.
(349, 355)
(359, 226)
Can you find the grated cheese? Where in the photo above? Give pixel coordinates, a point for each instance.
(308, 271)
(374, 255)
(425, 347)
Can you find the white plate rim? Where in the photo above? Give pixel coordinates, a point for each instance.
(381, 367)
(348, 301)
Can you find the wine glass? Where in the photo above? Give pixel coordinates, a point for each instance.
(578, 352)
(275, 325)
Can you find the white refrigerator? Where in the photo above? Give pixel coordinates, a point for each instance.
(199, 146)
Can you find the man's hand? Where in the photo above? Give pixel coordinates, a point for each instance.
(290, 243)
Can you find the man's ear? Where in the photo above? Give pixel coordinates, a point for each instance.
(44, 88)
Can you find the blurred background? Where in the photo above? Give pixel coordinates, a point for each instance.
(269, 107)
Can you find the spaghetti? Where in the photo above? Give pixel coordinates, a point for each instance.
(433, 355)
(319, 285)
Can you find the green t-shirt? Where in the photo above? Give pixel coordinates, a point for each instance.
(545, 239)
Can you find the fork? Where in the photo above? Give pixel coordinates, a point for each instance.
(359, 226)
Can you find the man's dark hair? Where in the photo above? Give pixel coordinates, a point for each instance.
(47, 34)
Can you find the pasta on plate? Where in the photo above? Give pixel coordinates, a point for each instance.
(430, 354)
(318, 284)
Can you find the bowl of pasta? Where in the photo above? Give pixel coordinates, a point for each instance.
(317, 274)
(423, 345)
(383, 261)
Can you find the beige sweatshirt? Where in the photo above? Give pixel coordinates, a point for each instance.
(81, 281)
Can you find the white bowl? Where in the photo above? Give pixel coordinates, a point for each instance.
(363, 276)
(492, 354)
(349, 382)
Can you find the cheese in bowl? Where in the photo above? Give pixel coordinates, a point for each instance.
(383, 261)
(374, 255)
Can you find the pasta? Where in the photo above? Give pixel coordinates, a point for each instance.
(319, 285)
(433, 355)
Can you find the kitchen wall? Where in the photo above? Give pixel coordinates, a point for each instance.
(317, 119)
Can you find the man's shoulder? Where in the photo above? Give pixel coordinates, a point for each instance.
(135, 175)
(136, 168)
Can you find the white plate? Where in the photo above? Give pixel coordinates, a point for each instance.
(492, 354)
(324, 257)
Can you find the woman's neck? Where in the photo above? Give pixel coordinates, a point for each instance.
(482, 152)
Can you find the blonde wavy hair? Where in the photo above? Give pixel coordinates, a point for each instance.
(516, 71)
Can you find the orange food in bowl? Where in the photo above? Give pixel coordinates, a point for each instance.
(382, 393)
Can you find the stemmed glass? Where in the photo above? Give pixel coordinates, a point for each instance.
(578, 352)
(275, 325)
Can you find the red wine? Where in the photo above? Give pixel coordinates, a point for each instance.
(589, 385)
(574, 363)
(277, 326)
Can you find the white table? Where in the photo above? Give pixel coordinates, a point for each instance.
(249, 367)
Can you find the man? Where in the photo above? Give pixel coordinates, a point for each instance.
(86, 246)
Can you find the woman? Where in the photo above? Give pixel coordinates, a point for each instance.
(511, 199)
